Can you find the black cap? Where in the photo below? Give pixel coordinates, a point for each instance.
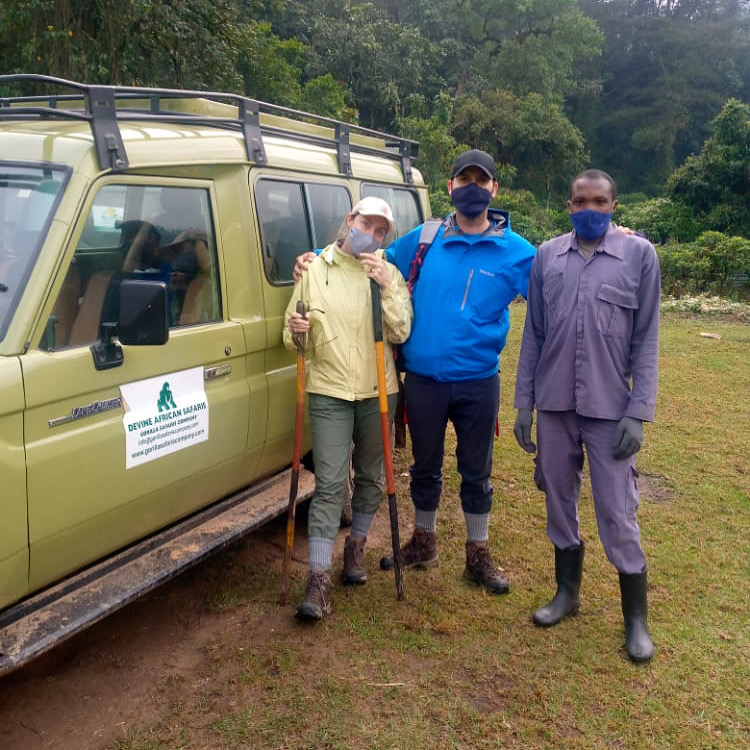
(475, 158)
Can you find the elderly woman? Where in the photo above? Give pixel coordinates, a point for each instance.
(342, 386)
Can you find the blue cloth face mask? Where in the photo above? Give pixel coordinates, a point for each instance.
(471, 200)
(590, 224)
(361, 242)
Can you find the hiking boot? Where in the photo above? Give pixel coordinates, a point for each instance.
(419, 552)
(354, 560)
(482, 570)
(317, 601)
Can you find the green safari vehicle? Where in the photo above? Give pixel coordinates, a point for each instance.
(147, 241)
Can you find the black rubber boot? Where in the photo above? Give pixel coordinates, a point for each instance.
(638, 641)
(568, 572)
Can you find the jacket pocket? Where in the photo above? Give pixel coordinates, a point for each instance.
(614, 311)
(484, 295)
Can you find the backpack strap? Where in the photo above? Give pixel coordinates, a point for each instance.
(426, 238)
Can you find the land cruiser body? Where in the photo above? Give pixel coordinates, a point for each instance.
(147, 240)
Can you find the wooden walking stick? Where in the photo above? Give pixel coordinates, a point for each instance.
(385, 424)
(300, 339)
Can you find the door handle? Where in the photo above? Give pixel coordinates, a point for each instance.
(211, 373)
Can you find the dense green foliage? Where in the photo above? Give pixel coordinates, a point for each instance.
(713, 264)
(716, 183)
(667, 68)
(654, 91)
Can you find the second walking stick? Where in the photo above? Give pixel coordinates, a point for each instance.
(385, 424)
(300, 340)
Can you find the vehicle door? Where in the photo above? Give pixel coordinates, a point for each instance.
(294, 216)
(114, 454)
(14, 544)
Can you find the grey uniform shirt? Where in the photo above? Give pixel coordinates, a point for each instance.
(591, 338)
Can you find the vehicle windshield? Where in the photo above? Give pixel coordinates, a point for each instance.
(28, 197)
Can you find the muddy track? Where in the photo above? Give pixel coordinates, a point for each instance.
(126, 671)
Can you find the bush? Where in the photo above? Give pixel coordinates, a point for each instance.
(528, 218)
(660, 219)
(713, 264)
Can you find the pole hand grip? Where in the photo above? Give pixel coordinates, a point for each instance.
(300, 339)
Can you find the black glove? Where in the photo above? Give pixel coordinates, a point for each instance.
(628, 438)
(522, 429)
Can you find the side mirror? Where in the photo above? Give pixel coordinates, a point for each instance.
(143, 313)
(141, 320)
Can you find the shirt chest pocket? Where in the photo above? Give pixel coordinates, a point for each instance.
(615, 309)
(552, 286)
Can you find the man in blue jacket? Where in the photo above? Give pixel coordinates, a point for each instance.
(474, 268)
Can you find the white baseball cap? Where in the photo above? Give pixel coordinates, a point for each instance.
(372, 206)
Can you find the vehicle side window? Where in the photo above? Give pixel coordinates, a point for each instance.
(295, 217)
(145, 232)
(284, 229)
(407, 213)
(329, 205)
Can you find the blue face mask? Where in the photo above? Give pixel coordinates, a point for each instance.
(471, 200)
(361, 242)
(590, 224)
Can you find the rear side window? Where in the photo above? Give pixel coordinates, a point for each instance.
(295, 217)
(407, 213)
(135, 231)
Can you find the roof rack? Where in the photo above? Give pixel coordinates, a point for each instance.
(103, 106)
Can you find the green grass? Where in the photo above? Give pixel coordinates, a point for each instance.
(451, 667)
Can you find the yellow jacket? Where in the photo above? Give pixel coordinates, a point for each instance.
(340, 352)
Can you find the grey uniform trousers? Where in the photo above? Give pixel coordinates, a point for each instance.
(561, 437)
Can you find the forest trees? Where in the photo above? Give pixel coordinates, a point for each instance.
(546, 86)
(667, 68)
(715, 184)
(139, 42)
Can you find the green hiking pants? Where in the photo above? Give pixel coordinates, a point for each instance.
(336, 426)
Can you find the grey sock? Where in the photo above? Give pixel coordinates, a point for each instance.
(477, 527)
(361, 524)
(426, 520)
(321, 553)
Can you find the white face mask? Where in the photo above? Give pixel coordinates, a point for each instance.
(361, 242)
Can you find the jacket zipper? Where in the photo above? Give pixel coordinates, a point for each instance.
(466, 291)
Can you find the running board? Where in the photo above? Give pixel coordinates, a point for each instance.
(35, 625)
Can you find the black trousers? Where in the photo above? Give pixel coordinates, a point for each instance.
(471, 405)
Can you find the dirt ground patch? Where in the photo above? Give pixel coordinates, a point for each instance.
(655, 488)
(134, 667)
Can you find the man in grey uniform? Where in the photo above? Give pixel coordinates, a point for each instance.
(589, 364)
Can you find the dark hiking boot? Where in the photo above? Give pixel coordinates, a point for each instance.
(568, 572)
(638, 641)
(419, 552)
(482, 570)
(317, 601)
(354, 560)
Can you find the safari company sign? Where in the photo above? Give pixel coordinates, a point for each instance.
(164, 415)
